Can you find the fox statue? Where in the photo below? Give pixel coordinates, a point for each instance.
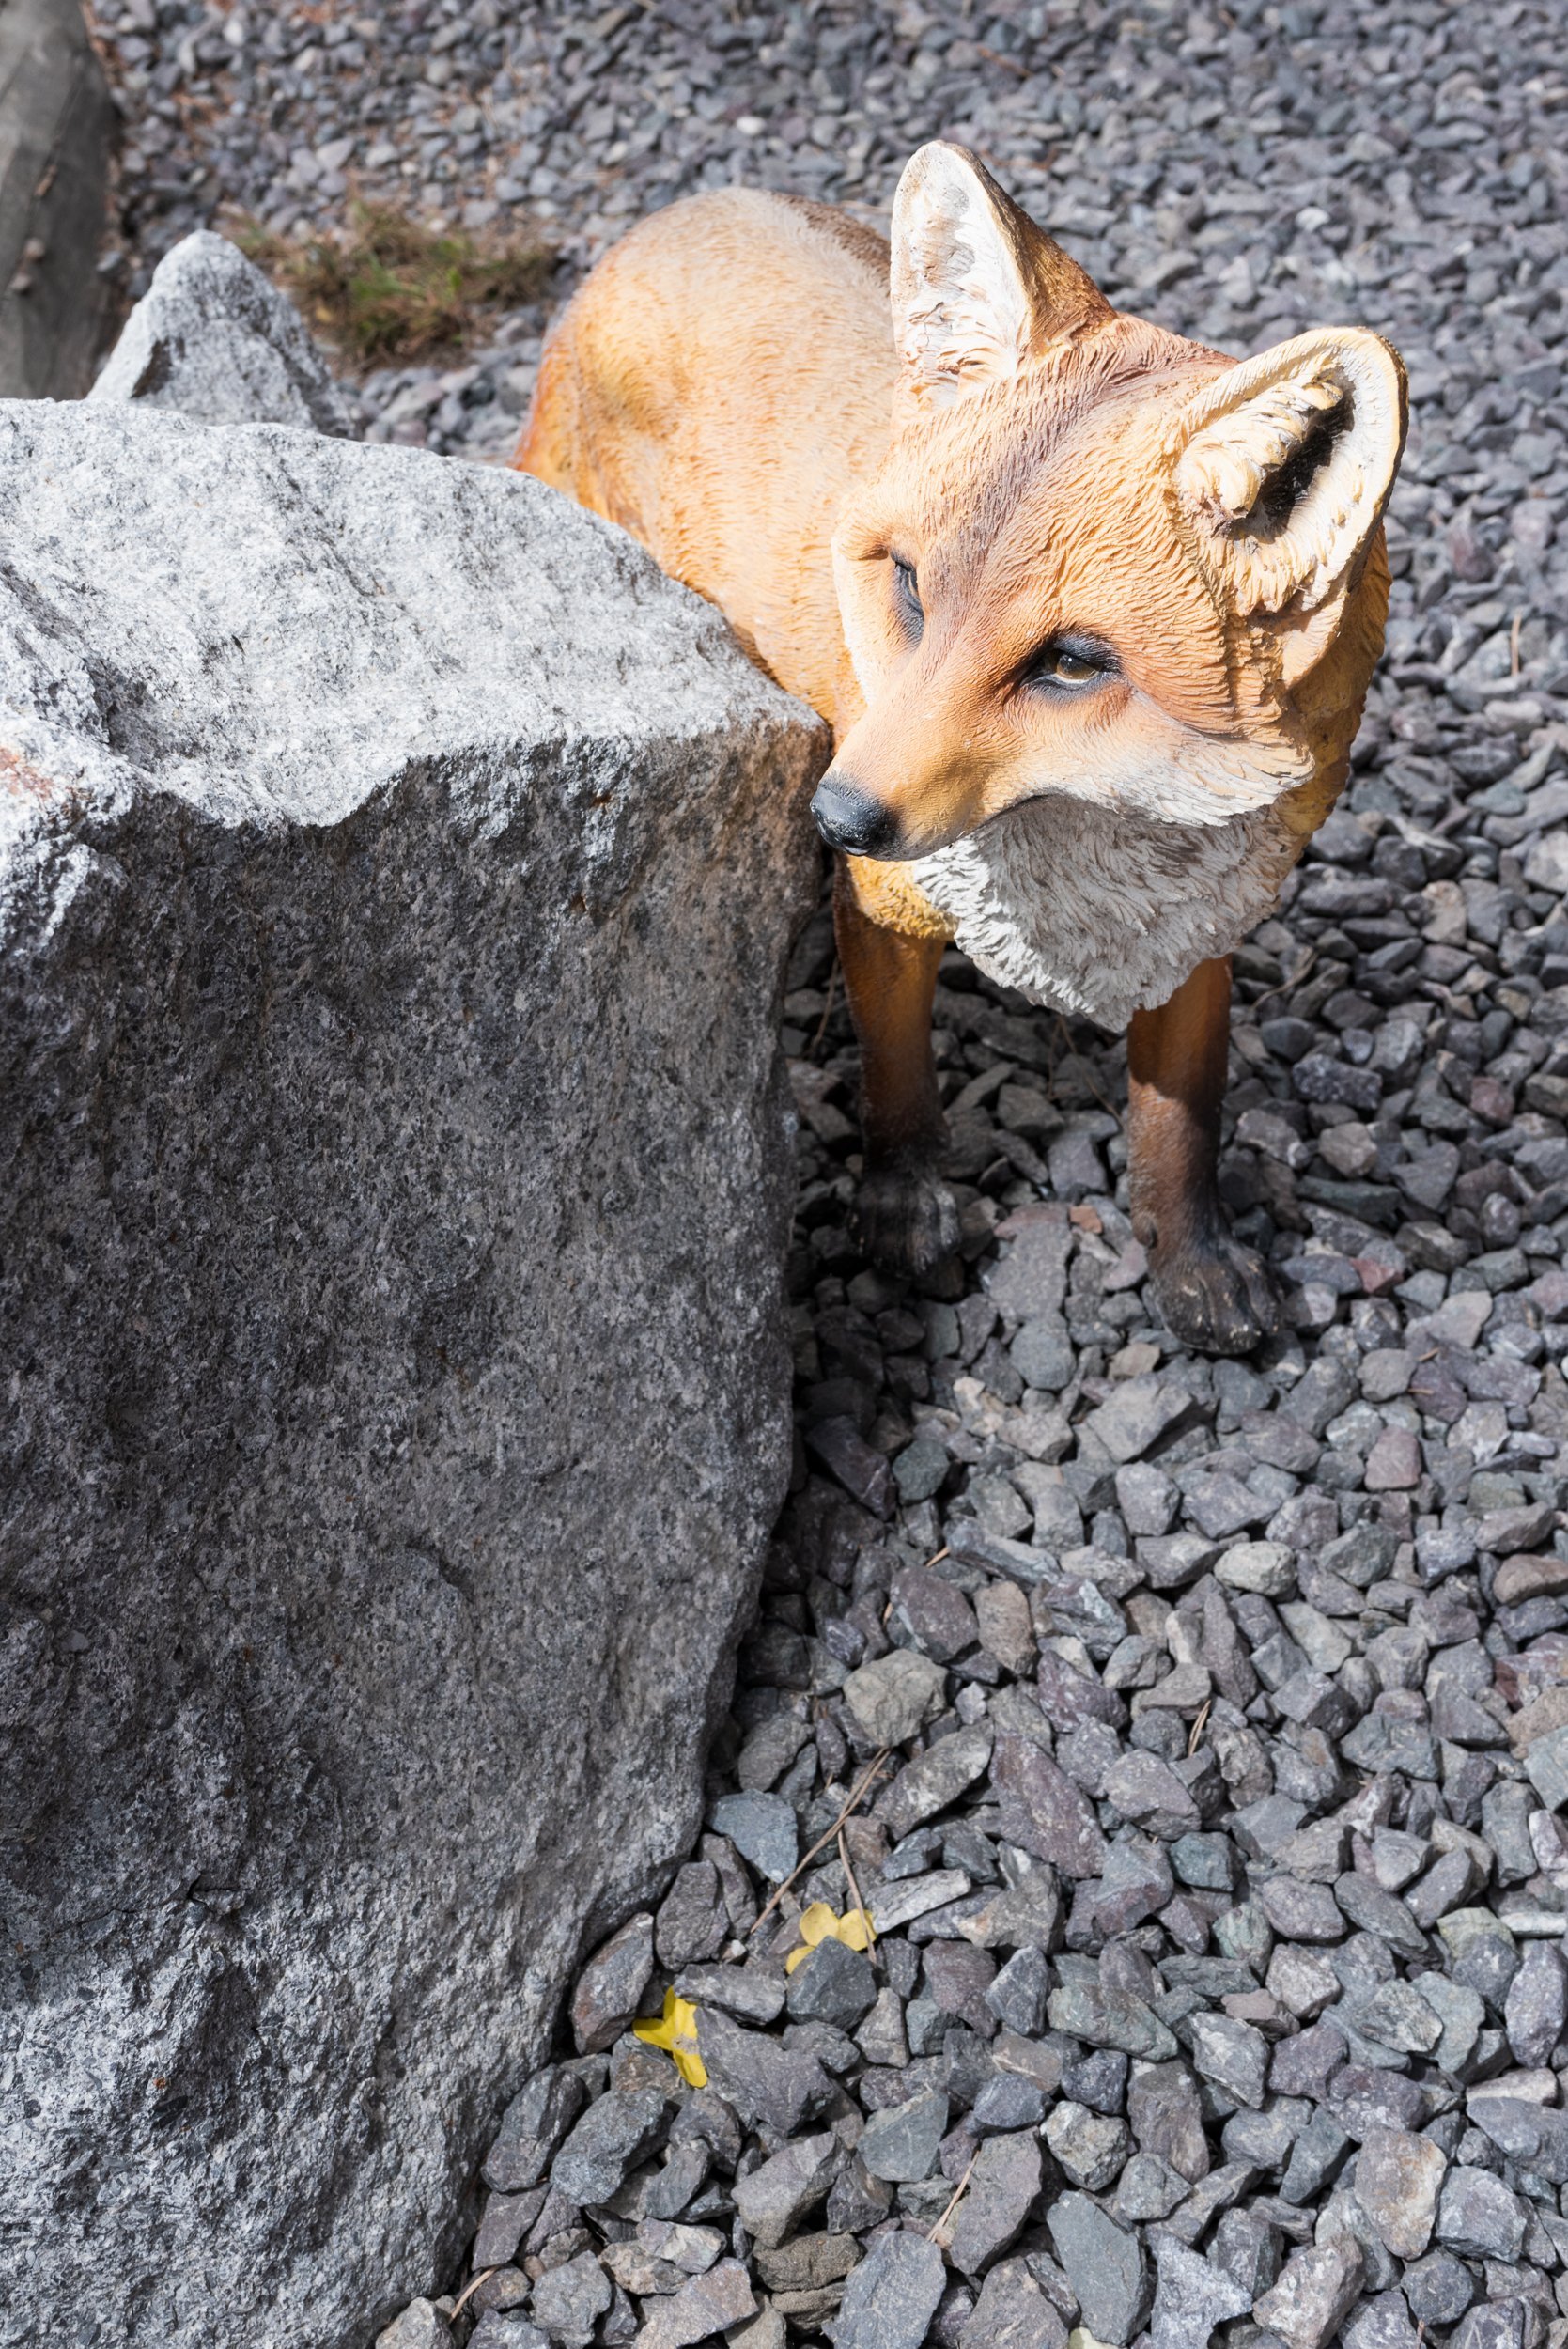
(1090, 610)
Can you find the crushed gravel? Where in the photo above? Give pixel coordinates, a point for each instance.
(1212, 1717)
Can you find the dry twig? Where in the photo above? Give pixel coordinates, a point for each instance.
(823, 1841)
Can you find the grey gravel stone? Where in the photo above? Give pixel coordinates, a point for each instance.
(1013, 2313)
(1004, 2183)
(892, 2296)
(610, 1987)
(1398, 2179)
(613, 2135)
(895, 1696)
(1105, 2264)
(1478, 2217)
(568, 2300)
(900, 2143)
(1192, 2298)
(773, 2199)
(1316, 2290)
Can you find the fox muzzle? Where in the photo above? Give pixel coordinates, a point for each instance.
(851, 819)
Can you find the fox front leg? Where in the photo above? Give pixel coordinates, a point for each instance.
(904, 1216)
(1213, 1292)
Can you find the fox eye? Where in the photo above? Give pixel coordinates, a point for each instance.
(906, 595)
(1070, 662)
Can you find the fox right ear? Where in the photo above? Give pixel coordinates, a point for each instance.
(975, 283)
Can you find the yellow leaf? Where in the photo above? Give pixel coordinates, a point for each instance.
(818, 1924)
(676, 2032)
(856, 1930)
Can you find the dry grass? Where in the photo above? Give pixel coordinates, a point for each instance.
(389, 288)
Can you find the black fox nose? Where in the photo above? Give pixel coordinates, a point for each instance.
(849, 818)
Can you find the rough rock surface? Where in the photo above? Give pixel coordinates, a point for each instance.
(211, 338)
(396, 873)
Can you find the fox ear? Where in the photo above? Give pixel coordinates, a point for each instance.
(1283, 467)
(974, 282)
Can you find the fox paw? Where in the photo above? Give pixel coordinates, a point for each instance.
(1219, 1299)
(905, 1217)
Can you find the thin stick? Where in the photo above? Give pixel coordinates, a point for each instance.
(815, 1044)
(1199, 1726)
(957, 2198)
(849, 1879)
(469, 2290)
(932, 1562)
(823, 1841)
(1514, 644)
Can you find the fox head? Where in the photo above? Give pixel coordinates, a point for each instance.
(1098, 559)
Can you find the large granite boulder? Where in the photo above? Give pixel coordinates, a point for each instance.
(395, 875)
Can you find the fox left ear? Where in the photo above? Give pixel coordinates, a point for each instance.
(1284, 466)
(975, 283)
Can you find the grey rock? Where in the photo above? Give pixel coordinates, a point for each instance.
(1137, 1415)
(1315, 2157)
(833, 1984)
(693, 1918)
(569, 2299)
(896, 1695)
(348, 1199)
(1398, 2179)
(1381, 2323)
(614, 2135)
(421, 2325)
(610, 1987)
(756, 1995)
(1104, 2264)
(1232, 2054)
(1018, 1995)
(1003, 2182)
(892, 2296)
(1192, 2298)
(1438, 2288)
(1536, 2008)
(532, 2127)
(773, 2199)
(1013, 2313)
(1478, 2217)
(769, 2086)
(1499, 2324)
(1110, 2018)
(1165, 2117)
(900, 2142)
(1316, 2290)
(1043, 1812)
(704, 2305)
(211, 338)
(1008, 2101)
(763, 1829)
(1089, 2147)
(497, 2330)
(936, 1779)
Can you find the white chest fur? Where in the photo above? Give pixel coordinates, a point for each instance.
(1101, 911)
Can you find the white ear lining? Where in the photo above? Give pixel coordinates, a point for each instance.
(1244, 430)
(961, 309)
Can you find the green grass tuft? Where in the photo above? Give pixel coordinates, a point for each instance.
(389, 288)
